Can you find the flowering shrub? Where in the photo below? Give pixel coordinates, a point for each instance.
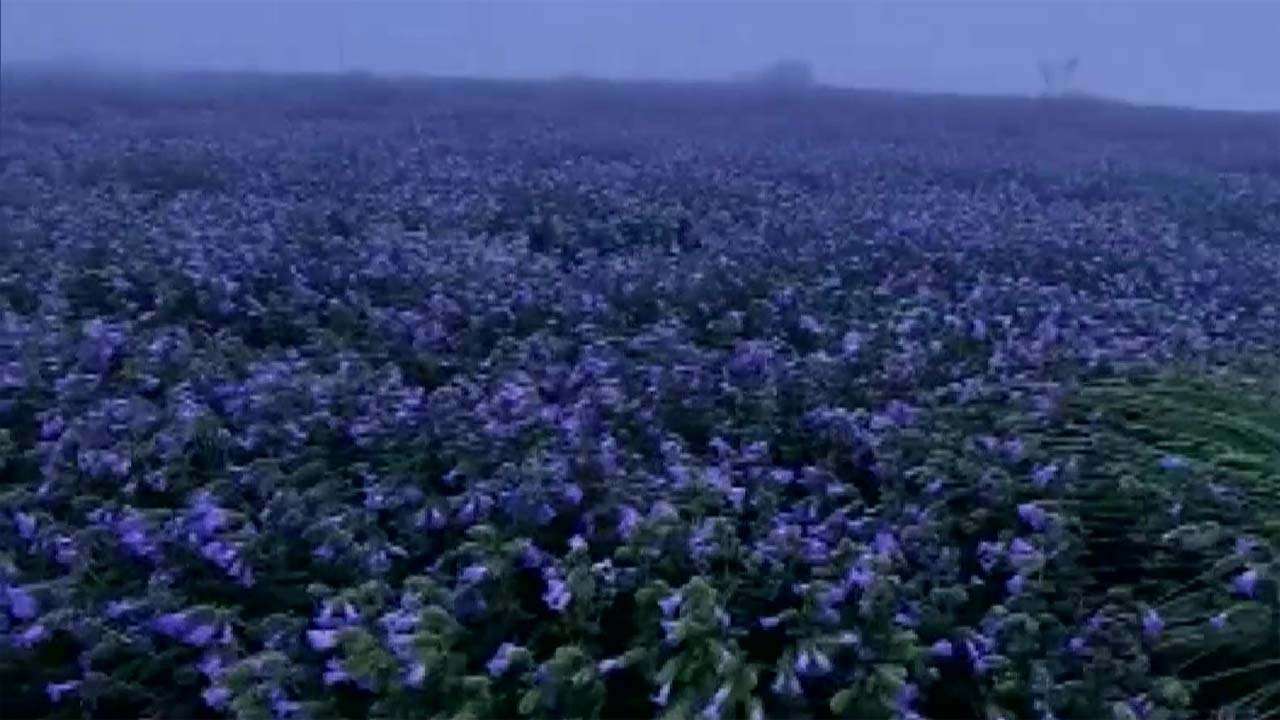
(566, 402)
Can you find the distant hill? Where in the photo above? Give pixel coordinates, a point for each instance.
(787, 73)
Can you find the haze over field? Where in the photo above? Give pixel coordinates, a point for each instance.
(345, 394)
(1197, 54)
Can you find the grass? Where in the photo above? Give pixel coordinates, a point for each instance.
(1226, 423)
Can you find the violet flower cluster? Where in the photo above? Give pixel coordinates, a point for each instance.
(618, 402)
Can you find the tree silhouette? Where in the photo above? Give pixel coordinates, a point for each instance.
(1057, 75)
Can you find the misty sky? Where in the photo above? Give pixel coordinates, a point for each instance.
(1205, 53)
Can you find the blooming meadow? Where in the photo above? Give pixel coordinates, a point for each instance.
(342, 398)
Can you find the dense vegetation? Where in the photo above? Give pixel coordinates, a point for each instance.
(336, 397)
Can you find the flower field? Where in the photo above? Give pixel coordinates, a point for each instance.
(334, 397)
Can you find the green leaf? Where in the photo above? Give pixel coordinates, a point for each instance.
(1169, 691)
(840, 701)
(529, 702)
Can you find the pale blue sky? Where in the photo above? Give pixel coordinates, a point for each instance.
(1204, 53)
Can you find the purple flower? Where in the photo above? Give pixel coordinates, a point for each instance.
(662, 695)
(431, 519)
(572, 494)
(181, 626)
(132, 530)
(557, 595)
(118, 464)
(1033, 515)
(474, 573)
(1023, 554)
(628, 522)
(104, 463)
(751, 360)
(216, 696)
(859, 577)
(787, 684)
(942, 649)
(399, 621)
(1219, 621)
(989, 554)
(1077, 645)
(205, 514)
(1245, 545)
(531, 556)
(757, 453)
(12, 375)
(26, 525)
(501, 660)
(1173, 462)
(1152, 624)
(65, 550)
(1246, 583)
(906, 698)
(34, 633)
(171, 624)
(212, 666)
(717, 478)
(885, 544)
(101, 343)
(415, 675)
(55, 691)
(22, 604)
(334, 672)
(218, 552)
(117, 609)
(322, 639)
(1042, 475)
(978, 650)
(670, 604)
(281, 705)
(803, 662)
(816, 550)
(1015, 585)
(851, 344)
(782, 476)
(663, 510)
(901, 413)
(200, 634)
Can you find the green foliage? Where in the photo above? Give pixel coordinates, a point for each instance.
(1226, 427)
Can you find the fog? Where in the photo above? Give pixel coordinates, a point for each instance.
(1200, 54)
